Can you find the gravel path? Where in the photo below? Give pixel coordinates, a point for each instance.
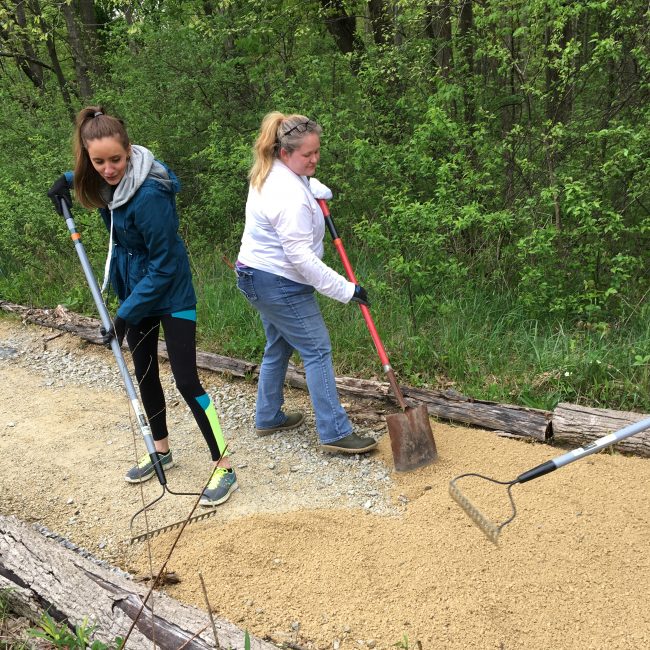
(277, 473)
(325, 552)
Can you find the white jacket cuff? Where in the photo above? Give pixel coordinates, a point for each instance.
(319, 190)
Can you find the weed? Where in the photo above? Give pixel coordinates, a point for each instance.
(60, 635)
(10, 632)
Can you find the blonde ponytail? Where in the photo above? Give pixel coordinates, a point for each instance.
(266, 149)
(277, 131)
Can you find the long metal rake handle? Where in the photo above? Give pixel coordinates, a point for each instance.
(115, 346)
(581, 452)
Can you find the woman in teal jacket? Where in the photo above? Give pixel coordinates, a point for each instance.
(149, 269)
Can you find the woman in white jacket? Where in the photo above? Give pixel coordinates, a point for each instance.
(278, 269)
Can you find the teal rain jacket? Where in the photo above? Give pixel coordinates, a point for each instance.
(149, 265)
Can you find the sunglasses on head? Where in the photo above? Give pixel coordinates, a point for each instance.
(301, 127)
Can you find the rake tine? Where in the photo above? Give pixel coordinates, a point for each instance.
(190, 519)
(177, 524)
(490, 529)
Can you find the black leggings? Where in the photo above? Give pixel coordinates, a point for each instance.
(180, 337)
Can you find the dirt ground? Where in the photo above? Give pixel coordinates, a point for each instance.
(293, 562)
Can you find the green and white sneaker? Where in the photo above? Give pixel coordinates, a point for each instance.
(222, 484)
(144, 470)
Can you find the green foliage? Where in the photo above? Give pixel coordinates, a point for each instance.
(59, 635)
(487, 174)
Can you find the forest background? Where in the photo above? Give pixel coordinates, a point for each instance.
(490, 164)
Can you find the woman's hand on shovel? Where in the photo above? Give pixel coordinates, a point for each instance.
(361, 296)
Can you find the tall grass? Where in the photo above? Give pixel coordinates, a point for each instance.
(480, 343)
(477, 341)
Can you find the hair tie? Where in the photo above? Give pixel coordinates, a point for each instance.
(97, 113)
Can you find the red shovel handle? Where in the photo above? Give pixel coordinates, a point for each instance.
(383, 357)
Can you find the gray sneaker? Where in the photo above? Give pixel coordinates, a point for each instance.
(144, 470)
(222, 484)
(293, 421)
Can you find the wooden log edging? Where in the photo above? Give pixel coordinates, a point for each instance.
(38, 572)
(448, 405)
(512, 419)
(580, 425)
(569, 423)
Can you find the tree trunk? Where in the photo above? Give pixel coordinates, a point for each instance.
(35, 70)
(579, 425)
(343, 29)
(379, 21)
(508, 119)
(89, 22)
(559, 91)
(54, 58)
(40, 575)
(78, 52)
(438, 29)
(466, 27)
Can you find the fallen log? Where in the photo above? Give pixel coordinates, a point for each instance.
(508, 418)
(448, 405)
(569, 423)
(40, 575)
(579, 425)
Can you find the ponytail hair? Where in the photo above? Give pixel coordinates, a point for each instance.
(92, 124)
(278, 131)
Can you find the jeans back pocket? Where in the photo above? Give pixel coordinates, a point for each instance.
(245, 284)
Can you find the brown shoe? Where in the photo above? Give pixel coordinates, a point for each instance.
(293, 420)
(351, 444)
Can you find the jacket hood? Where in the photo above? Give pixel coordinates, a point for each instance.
(141, 166)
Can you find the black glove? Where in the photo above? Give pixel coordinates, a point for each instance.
(361, 296)
(60, 191)
(116, 330)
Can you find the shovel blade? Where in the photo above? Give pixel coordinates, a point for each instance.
(411, 438)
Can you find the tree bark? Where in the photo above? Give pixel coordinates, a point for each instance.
(343, 29)
(88, 17)
(559, 91)
(40, 575)
(54, 58)
(438, 29)
(81, 65)
(466, 28)
(35, 68)
(579, 425)
(380, 21)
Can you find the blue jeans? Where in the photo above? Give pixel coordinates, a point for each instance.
(292, 320)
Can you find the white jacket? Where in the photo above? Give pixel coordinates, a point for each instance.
(284, 233)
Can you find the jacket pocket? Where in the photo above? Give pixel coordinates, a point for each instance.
(245, 284)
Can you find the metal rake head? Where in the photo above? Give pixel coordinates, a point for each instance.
(177, 524)
(489, 528)
(190, 519)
